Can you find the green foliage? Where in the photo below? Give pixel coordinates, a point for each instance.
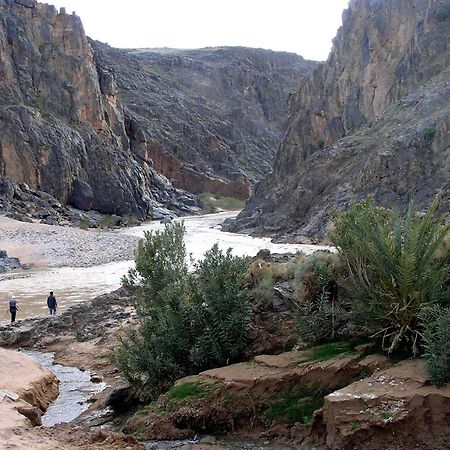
(436, 334)
(354, 426)
(160, 271)
(264, 289)
(320, 316)
(188, 322)
(83, 224)
(394, 269)
(442, 15)
(327, 351)
(190, 389)
(429, 133)
(320, 144)
(106, 221)
(295, 404)
(214, 202)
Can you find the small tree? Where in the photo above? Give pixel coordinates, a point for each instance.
(395, 269)
(188, 322)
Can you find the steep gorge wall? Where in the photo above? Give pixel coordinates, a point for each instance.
(52, 113)
(374, 119)
(97, 127)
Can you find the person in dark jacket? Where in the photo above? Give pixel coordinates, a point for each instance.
(52, 304)
(13, 308)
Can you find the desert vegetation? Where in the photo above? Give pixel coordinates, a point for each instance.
(189, 321)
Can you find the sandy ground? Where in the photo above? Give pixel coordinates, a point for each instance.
(57, 246)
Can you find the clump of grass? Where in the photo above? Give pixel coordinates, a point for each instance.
(83, 224)
(429, 133)
(354, 426)
(295, 404)
(214, 202)
(264, 290)
(106, 222)
(386, 415)
(327, 351)
(190, 389)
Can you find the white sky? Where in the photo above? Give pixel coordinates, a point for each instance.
(305, 27)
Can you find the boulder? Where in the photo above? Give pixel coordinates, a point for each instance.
(81, 196)
(394, 405)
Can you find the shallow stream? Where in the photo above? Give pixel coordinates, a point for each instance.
(75, 389)
(74, 285)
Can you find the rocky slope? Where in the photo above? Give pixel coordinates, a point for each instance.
(72, 128)
(374, 119)
(217, 112)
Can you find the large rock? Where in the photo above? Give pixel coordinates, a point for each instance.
(81, 196)
(26, 390)
(8, 263)
(393, 406)
(374, 119)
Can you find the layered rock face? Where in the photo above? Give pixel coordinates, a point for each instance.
(67, 129)
(374, 119)
(209, 119)
(52, 115)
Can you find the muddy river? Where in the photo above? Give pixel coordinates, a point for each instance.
(74, 285)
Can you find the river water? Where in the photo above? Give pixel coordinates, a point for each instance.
(75, 389)
(74, 285)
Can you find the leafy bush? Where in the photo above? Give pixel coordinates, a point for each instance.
(395, 269)
(320, 315)
(436, 336)
(188, 322)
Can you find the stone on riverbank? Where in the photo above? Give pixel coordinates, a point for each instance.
(35, 388)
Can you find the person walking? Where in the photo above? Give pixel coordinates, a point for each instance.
(13, 308)
(52, 304)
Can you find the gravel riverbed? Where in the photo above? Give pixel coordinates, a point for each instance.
(57, 246)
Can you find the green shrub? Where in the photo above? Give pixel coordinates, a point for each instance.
(320, 315)
(264, 290)
(436, 336)
(188, 322)
(442, 15)
(394, 269)
(214, 202)
(295, 404)
(429, 133)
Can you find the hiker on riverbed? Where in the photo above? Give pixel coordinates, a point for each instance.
(52, 304)
(13, 308)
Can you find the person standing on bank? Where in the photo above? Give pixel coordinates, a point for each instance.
(52, 304)
(13, 308)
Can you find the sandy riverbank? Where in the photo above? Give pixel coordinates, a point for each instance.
(57, 246)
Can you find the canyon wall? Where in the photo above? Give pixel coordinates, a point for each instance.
(374, 119)
(123, 132)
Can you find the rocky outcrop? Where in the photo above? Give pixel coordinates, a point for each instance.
(374, 119)
(8, 263)
(396, 408)
(238, 397)
(26, 390)
(209, 119)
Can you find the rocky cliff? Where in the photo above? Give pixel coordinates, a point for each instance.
(374, 119)
(100, 129)
(209, 119)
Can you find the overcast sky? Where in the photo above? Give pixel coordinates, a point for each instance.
(305, 27)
